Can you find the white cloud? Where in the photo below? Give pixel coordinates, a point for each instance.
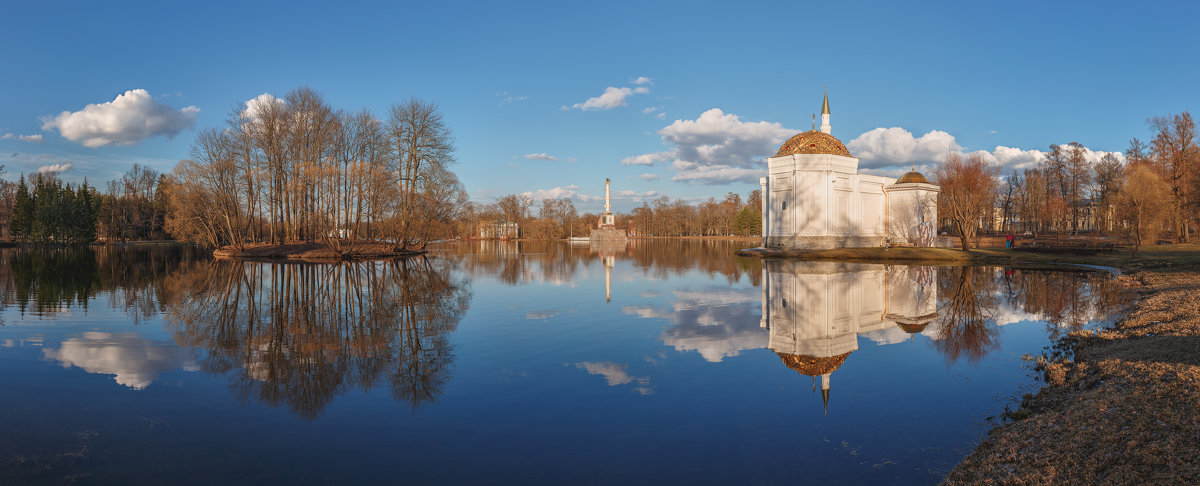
(718, 138)
(649, 177)
(882, 147)
(570, 191)
(130, 118)
(134, 361)
(256, 105)
(52, 168)
(891, 151)
(648, 159)
(35, 138)
(541, 156)
(614, 96)
(716, 148)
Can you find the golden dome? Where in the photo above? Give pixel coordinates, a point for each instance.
(813, 142)
(913, 177)
(812, 365)
(912, 328)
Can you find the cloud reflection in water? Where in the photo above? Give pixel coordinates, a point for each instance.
(133, 361)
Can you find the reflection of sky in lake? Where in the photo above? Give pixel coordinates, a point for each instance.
(132, 360)
(514, 367)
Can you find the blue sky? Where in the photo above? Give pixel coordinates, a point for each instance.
(907, 82)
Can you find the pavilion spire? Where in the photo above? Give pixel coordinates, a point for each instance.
(825, 127)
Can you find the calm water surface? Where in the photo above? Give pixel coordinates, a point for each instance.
(660, 361)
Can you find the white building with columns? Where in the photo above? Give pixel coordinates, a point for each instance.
(814, 198)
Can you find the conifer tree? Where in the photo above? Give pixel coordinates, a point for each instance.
(22, 218)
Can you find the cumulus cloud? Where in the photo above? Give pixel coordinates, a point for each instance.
(896, 146)
(133, 361)
(541, 156)
(54, 168)
(614, 96)
(891, 151)
(256, 106)
(130, 118)
(571, 191)
(36, 138)
(649, 159)
(716, 148)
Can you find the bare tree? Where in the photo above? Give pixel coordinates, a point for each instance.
(968, 192)
(1175, 149)
(1034, 199)
(420, 143)
(1108, 181)
(1143, 202)
(1078, 176)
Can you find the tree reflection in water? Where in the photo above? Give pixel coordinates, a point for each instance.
(974, 296)
(46, 280)
(301, 334)
(966, 327)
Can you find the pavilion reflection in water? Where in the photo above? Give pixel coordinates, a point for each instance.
(815, 312)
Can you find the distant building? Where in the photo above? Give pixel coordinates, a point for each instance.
(814, 197)
(498, 230)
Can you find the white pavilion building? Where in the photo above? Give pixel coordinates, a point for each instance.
(814, 198)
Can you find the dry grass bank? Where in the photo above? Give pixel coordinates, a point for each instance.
(1121, 406)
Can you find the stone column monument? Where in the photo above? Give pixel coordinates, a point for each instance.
(606, 229)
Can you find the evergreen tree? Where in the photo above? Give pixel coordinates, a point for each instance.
(22, 218)
(86, 208)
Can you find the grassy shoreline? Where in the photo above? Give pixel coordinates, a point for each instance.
(1120, 405)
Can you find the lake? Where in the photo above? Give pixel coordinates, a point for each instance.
(660, 361)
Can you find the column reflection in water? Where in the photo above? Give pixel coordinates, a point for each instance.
(815, 312)
(301, 334)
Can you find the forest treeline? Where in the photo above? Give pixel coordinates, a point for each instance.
(1153, 193)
